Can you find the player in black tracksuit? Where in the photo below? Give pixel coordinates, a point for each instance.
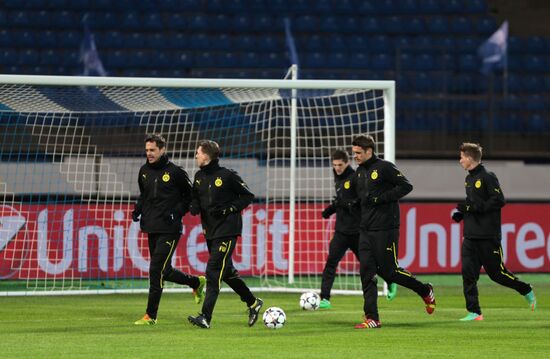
(481, 213)
(165, 194)
(219, 196)
(379, 186)
(346, 229)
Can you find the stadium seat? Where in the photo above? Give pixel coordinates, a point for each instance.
(421, 82)
(264, 23)
(381, 44)
(423, 44)
(271, 44)
(206, 59)
(438, 25)
(536, 44)
(405, 61)
(241, 23)
(305, 23)
(245, 43)
(19, 19)
(250, 60)
(468, 44)
(369, 25)
(8, 57)
(535, 103)
(183, 60)
(49, 57)
(393, 25)
(415, 26)
(152, 21)
(337, 60)
(382, 62)
(310, 43)
(314, 60)
(349, 25)
(515, 44)
(469, 63)
(453, 7)
(461, 26)
(359, 60)
(409, 6)
(23, 39)
(221, 41)
(335, 42)
(341, 7)
(47, 39)
(429, 7)
(486, 25)
(28, 57)
(475, 6)
(197, 22)
(329, 24)
(534, 63)
(176, 21)
(424, 62)
(201, 41)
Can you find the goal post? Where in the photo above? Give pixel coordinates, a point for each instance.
(72, 147)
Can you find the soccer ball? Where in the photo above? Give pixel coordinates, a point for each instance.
(310, 301)
(274, 318)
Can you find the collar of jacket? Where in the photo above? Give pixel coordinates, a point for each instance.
(477, 169)
(344, 174)
(163, 160)
(211, 167)
(370, 161)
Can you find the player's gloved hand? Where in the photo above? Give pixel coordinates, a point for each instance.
(457, 216)
(194, 209)
(135, 215)
(327, 212)
(222, 211)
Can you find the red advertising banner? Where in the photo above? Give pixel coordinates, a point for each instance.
(101, 241)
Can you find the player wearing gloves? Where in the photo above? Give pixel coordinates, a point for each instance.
(219, 196)
(380, 185)
(346, 230)
(165, 194)
(481, 213)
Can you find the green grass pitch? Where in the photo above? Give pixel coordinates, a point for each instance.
(101, 326)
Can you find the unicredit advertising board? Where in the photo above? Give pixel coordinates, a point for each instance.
(101, 241)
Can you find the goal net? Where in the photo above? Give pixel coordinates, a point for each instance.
(71, 149)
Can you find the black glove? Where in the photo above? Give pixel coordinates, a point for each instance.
(327, 212)
(458, 216)
(194, 210)
(135, 215)
(222, 211)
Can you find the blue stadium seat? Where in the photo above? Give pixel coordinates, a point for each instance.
(381, 44)
(105, 20)
(424, 62)
(349, 25)
(393, 25)
(198, 22)
(438, 25)
(3, 19)
(468, 44)
(421, 82)
(369, 25)
(274, 60)
(177, 21)
(314, 60)
(336, 42)
(475, 6)
(66, 20)
(162, 59)
(271, 44)
(534, 63)
(486, 25)
(245, 43)
(114, 59)
(535, 103)
(404, 43)
(538, 122)
(49, 57)
(8, 57)
(152, 21)
(409, 6)
(461, 26)
(310, 43)
(299, 6)
(70, 39)
(445, 62)
(28, 57)
(241, 23)
(305, 23)
(178, 41)
(359, 60)
(141, 59)
(382, 62)
(366, 8)
(201, 41)
(47, 39)
(453, 7)
(337, 60)
(264, 23)
(429, 7)
(405, 61)
(229, 59)
(205, 59)
(424, 44)
(341, 7)
(536, 44)
(515, 44)
(415, 26)
(23, 39)
(183, 60)
(221, 41)
(329, 24)
(469, 63)
(19, 19)
(250, 60)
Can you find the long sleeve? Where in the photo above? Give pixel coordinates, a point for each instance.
(401, 185)
(245, 197)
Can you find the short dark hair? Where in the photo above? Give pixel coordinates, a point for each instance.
(156, 138)
(211, 148)
(340, 155)
(473, 150)
(364, 141)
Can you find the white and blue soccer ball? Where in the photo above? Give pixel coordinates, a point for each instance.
(274, 318)
(310, 301)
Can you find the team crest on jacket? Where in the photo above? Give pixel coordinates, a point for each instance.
(218, 182)
(374, 174)
(166, 177)
(478, 183)
(347, 184)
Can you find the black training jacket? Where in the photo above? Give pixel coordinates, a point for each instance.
(216, 187)
(380, 185)
(345, 204)
(484, 199)
(165, 195)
